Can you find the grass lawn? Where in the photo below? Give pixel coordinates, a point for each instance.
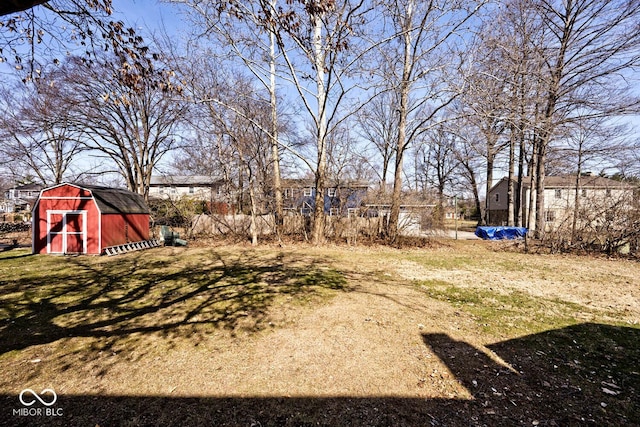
(461, 333)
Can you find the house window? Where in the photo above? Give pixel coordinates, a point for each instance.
(584, 192)
(549, 216)
(191, 190)
(331, 192)
(333, 211)
(307, 192)
(608, 192)
(286, 193)
(497, 197)
(558, 194)
(161, 189)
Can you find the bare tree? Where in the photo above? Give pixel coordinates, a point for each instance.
(36, 34)
(40, 136)
(588, 143)
(345, 159)
(439, 164)
(248, 30)
(319, 39)
(230, 118)
(469, 166)
(250, 148)
(421, 33)
(587, 48)
(378, 125)
(484, 105)
(313, 39)
(133, 125)
(518, 61)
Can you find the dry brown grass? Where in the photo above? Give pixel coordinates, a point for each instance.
(453, 334)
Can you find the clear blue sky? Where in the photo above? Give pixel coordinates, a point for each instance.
(148, 14)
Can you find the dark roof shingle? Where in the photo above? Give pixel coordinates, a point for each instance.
(116, 200)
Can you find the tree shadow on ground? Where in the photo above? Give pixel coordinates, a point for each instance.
(585, 374)
(122, 297)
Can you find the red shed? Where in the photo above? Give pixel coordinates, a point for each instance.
(85, 219)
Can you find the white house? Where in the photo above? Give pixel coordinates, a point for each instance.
(28, 191)
(173, 187)
(594, 197)
(20, 198)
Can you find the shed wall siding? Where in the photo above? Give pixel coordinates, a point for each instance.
(118, 229)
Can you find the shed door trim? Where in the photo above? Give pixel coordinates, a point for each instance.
(64, 231)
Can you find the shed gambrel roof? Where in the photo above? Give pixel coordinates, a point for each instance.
(116, 200)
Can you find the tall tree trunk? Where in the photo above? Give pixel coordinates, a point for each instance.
(551, 101)
(531, 206)
(275, 152)
(240, 196)
(405, 86)
(253, 227)
(396, 197)
(321, 136)
(474, 187)
(576, 201)
(510, 189)
(541, 158)
(519, 213)
(522, 123)
(490, 161)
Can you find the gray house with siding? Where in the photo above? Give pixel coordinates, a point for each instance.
(593, 196)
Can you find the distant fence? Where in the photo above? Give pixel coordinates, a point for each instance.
(337, 227)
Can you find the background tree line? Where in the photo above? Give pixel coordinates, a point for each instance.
(432, 98)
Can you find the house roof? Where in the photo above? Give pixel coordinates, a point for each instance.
(178, 180)
(27, 187)
(586, 181)
(310, 183)
(117, 200)
(569, 181)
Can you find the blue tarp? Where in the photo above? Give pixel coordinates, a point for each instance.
(499, 233)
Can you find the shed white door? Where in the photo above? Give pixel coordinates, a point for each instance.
(66, 232)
